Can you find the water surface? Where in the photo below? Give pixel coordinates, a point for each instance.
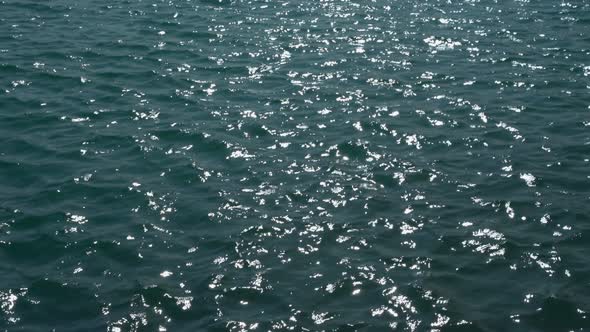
(207, 165)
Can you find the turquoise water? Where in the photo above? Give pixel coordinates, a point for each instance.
(294, 165)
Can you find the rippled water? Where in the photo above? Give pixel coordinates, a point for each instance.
(336, 165)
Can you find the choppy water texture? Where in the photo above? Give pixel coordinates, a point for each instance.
(337, 165)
